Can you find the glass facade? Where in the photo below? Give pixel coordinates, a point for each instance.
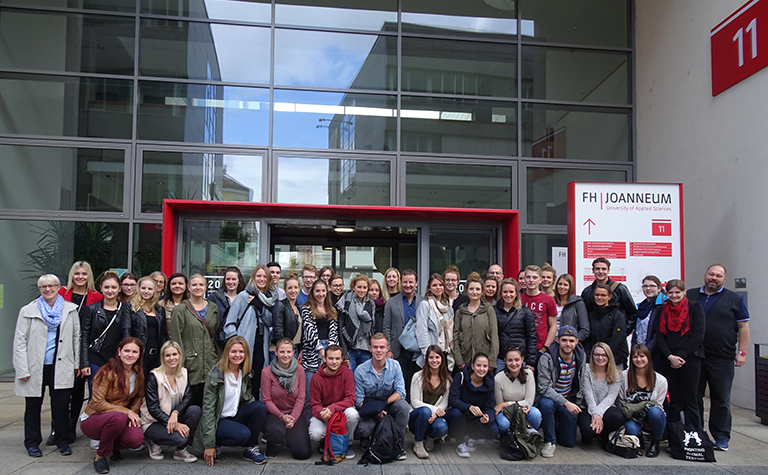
(109, 107)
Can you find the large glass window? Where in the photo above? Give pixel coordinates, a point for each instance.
(203, 113)
(208, 51)
(66, 179)
(240, 10)
(458, 185)
(444, 17)
(576, 75)
(325, 181)
(594, 22)
(547, 189)
(334, 120)
(198, 176)
(210, 246)
(375, 15)
(468, 249)
(147, 245)
(68, 106)
(554, 131)
(79, 43)
(538, 249)
(112, 5)
(338, 60)
(459, 67)
(34, 248)
(462, 126)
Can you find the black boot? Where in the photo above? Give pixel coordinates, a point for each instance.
(51, 438)
(653, 450)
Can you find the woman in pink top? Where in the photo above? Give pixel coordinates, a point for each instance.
(283, 389)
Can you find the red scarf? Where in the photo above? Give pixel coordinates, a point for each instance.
(675, 317)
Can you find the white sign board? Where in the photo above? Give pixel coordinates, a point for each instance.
(637, 226)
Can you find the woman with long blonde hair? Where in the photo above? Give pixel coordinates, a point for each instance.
(233, 416)
(600, 383)
(144, 318)
(168, 416)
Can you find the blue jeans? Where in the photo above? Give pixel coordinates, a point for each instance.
(657, 422)
(565, 434)
(419, 424)
(242, 430)
(358, 357)
(534, 418)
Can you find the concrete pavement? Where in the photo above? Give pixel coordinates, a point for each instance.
(748, 456)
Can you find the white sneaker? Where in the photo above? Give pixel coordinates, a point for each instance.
(94, 444)
(183, 455)
(548, 450)
(472, 444)
(155, 451)
(463, 451)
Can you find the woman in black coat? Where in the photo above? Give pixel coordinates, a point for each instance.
(680, 341)
(517, 326)
(286, 319)
(608, 324)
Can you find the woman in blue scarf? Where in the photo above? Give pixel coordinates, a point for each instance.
(46, 352)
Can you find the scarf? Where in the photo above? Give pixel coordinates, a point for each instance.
(675, 317)
(269, 299)
(51, 315)
(361, 320)
(445, 330)
(379, 301)
(285, 377)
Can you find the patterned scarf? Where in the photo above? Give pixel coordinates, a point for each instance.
(675, 317)
(51, 315)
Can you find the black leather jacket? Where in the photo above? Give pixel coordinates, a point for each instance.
(285, 323)
(153, 402)
(135, 324)
(94, 323)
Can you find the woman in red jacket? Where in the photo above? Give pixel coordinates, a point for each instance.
(81, 291)
(283, 389)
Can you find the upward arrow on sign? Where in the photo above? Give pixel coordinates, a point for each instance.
(589, 223)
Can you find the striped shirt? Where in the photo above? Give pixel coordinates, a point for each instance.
(565, 380)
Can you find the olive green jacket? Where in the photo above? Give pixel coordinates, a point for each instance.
(474, 333)
(197, 344)
(213, 402)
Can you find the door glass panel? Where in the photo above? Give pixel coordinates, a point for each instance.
(447, 185)
(210, 246)
(468, 249)
(537, 249)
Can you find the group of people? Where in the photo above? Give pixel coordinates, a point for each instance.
(171, 365)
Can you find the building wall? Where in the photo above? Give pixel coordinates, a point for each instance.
(716, 146)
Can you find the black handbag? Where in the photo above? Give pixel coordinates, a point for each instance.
(687, 442)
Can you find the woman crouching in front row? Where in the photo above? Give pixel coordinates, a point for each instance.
(168, 416)
(231, 415)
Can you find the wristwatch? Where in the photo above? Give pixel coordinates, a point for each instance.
(743, 353)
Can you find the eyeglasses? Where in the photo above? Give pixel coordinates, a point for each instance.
(650, 286)
(599, 355)
(47, 287)
(128, 285)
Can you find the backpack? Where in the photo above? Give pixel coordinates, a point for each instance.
(686, 442)
(336, 440)
(521, 441)
(623, 444)
(386, 443)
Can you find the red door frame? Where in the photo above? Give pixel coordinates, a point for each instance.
(506, 219)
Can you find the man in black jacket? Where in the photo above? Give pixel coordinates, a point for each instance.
(727, 327)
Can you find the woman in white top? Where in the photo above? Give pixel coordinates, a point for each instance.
(429, 401)
(600, 383)
(434, 321)
(640, 383)
(232, 416)
(168, 416)
(515, 384)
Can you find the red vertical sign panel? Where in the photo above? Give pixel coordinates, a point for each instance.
(739, 45)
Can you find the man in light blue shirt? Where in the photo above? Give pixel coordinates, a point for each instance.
(379, 390)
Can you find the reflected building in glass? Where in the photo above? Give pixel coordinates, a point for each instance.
(110, 107)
